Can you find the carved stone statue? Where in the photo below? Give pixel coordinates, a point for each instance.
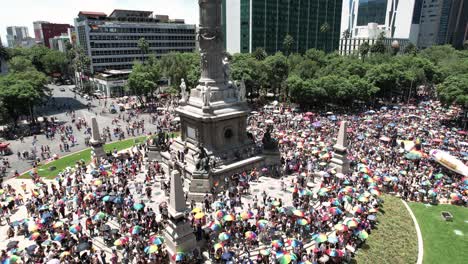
(269, 143)
(226, 70)
(206, 94)
(202, 160)
(183, 90)
(242, 91)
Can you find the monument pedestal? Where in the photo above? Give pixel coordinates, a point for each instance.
(179, 237)
(340, 162)
(200, 183)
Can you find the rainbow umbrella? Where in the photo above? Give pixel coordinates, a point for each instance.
(323, 191)
(218, 246)
(348, 189)
(334, 252)
(250, 235)
(320, 238)
(362, 234)
(294, 242)
(374, 192)
(179, 256)
(275, 203)
(33, 227)
(138, 206)
(151, 249)
(34, 236)
(97, 182)
(224, 236)
(136, 230)
(59, 237)
(12, 259)
(335, 211)
(121, 241)
(302, 221)
(265, 252)
(432, 192)
(373, 210)
(106, 198)
(363, 199)
(455, 196)
(439, 176)
(246, 215)
(199, 215)
(57, 224)
(276, 243)
(341, 228)
(305, 192)
(358, 209)
(262, 223)
(100, 216)
(287, 258)
(332, 239)
(335, 202)
(215, 226)
(229, 218)
(298, 213)
(74, 229)
(156, 240)
(352, 223)
(219, 214)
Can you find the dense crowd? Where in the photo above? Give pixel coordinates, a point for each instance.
(93, 214)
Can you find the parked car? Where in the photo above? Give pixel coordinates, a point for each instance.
(62, 89)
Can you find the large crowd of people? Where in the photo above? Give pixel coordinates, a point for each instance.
(107, 214)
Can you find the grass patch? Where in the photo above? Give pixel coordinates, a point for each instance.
(441, 244)
(70, 160)
(394, 240)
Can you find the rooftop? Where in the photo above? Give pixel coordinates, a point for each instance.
(130, 13)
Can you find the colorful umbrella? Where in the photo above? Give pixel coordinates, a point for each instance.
(294, 242)
(276, 243)
(250, 235)
(362, 234)
(323, 191)
(57, 224)
(287, 258)
(138, 206)
(262, 223)
(455, 196)
(151, 249)
(12, 259)
(320, 238)
(215, 226)
(34, 236)
(136, 230)
(74, 229)
(199, 215)
(219, 214)
(218, 246)
(334, 252)
(157, 240)
(265, 252)
(179, 256)
(358, 209)
(332, 239)
(335, 211)
(341, 228)
(224, 236)
(302, 222)
(196, 210)
(100, 216)
(121, 241)
(229, 218)
(352, 223)
(59, 237)
(298, 213)
(246, 215)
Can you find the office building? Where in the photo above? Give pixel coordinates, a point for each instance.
(365, 20)
(252, 24)
(59, 43)
(19, 37)
(111, 41)
(443, 22)
(38, 34)
(51, 30)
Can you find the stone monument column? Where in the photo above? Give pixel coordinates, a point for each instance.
(340, 160)
(96, 143)
(178, 232)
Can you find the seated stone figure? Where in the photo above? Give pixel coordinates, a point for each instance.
(269, 143)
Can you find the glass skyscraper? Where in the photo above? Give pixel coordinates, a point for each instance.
(251, 24)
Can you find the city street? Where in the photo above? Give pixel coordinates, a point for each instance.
(63, 101)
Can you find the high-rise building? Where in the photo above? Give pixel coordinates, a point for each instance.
(252, 24)
(19, 36)
(365, 20)
(51, 30)
(112, 41)
(38, 33)
(443, 22)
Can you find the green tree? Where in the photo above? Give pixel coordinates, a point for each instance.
(379, 46)
(410, 49)
(3, 53)
(20, 64)
(81, 65)
(144, 78)
(181, 65)
(260, 54)
(454, 90)
(277, 72)
(144, 47)
(386, 77)
(316, 55)
(288, 44)
(364, 49)
(55, 62)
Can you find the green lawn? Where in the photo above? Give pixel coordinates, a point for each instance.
(441, 244)
(70, 160)
(394, 240)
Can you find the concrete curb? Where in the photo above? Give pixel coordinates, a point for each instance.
(418, 232)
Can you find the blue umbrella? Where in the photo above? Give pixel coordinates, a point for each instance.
(332, 118)
(138, 206)
(227, 255)
(117, 200)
